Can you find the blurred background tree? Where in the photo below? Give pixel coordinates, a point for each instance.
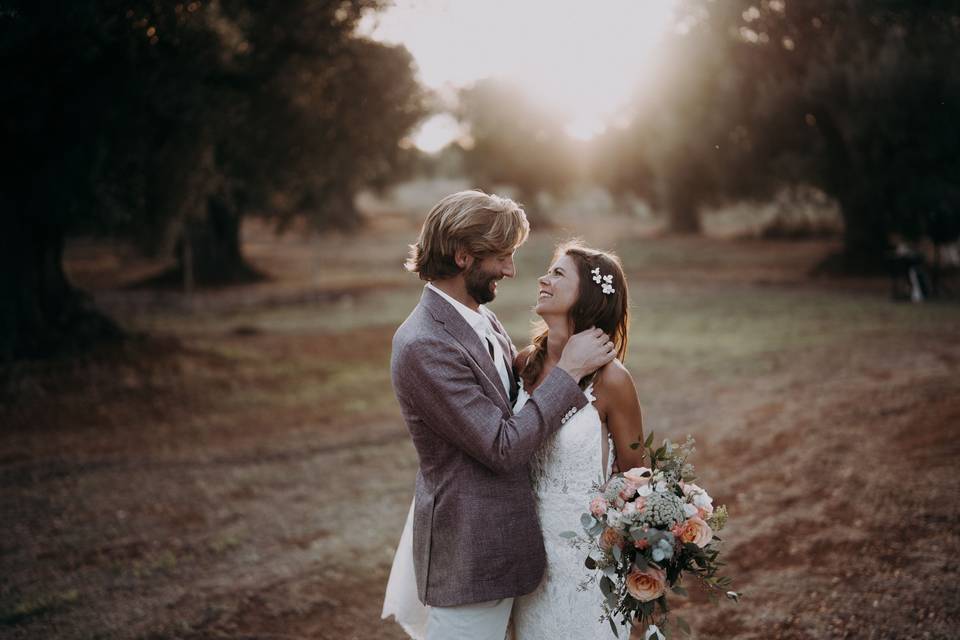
(167, 123)
(515, 142)
(857, 98)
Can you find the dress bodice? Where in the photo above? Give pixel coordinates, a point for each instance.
(576, 456)
(563, 473)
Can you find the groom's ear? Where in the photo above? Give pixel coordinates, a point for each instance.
(463, 258)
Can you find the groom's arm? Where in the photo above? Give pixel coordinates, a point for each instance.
(435, 382)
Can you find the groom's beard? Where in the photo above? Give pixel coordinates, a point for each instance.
(478, 283)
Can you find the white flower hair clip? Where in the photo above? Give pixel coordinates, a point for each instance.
(605, 281)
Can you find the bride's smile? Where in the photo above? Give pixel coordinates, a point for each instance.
(559, 288)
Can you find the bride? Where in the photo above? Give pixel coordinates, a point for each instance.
(582, 288)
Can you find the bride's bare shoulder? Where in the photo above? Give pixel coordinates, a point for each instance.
(614, 374)
(615, 383)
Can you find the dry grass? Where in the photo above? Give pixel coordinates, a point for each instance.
(244, 472)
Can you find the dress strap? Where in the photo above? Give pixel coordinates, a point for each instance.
(589, 393)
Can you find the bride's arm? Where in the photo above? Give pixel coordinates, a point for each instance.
(623, 416)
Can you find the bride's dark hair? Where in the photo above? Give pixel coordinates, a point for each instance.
(593, 308)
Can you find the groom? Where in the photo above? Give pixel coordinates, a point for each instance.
(476, 540)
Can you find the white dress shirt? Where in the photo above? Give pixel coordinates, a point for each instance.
(484, 331)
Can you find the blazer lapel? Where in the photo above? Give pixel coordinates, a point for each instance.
(457, 327)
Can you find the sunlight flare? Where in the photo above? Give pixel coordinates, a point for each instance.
(581, 60)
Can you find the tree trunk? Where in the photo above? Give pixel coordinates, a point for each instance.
(862, 205)
(865, 242)
(865, 245)
(684, 214)
(41, 313)
(209, 250)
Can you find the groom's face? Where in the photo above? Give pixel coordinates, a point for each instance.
(482, 275)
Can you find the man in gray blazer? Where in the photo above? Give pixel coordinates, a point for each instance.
(476, 540)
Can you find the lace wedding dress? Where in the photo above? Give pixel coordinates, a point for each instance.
(562, 472)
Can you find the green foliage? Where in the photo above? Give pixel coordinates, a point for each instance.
(147, 109)
(857, 98)
(167, 122)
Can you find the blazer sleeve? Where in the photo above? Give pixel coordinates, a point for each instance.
(435, 382)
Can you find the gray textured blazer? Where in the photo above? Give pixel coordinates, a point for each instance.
(475, 531)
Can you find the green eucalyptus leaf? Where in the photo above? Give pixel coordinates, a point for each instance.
(606, 585)
(612, 599)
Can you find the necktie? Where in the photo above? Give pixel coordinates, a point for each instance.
(493, 346)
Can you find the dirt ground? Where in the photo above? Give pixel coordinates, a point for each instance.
(240, 470)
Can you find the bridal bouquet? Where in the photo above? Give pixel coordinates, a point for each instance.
(645, 530)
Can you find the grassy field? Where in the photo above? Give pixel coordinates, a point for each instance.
(240, 470)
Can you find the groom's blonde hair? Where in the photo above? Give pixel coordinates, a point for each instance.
(481, 224)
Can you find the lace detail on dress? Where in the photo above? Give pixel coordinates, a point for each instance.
(563, 472)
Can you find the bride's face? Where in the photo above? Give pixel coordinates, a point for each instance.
(559, 288)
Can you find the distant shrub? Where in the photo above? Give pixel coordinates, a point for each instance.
(799, 212)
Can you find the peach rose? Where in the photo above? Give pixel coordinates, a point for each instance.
(598, 506)
(629, 490)
(638, 504)
(647, 585)
(638, 476)
(697, 531)
(608, 538)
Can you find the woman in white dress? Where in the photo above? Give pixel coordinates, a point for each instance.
(582, 288)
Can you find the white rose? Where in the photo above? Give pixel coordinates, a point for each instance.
(689, 488)
(703, 502)
(699, 498)
(614, 518)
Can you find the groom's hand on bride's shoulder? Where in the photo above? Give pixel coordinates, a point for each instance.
(585, 352)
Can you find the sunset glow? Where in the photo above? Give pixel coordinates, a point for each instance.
(582, 60)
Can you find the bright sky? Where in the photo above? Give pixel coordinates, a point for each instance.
(583, 59)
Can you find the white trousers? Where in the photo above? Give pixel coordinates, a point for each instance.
(480, 621)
